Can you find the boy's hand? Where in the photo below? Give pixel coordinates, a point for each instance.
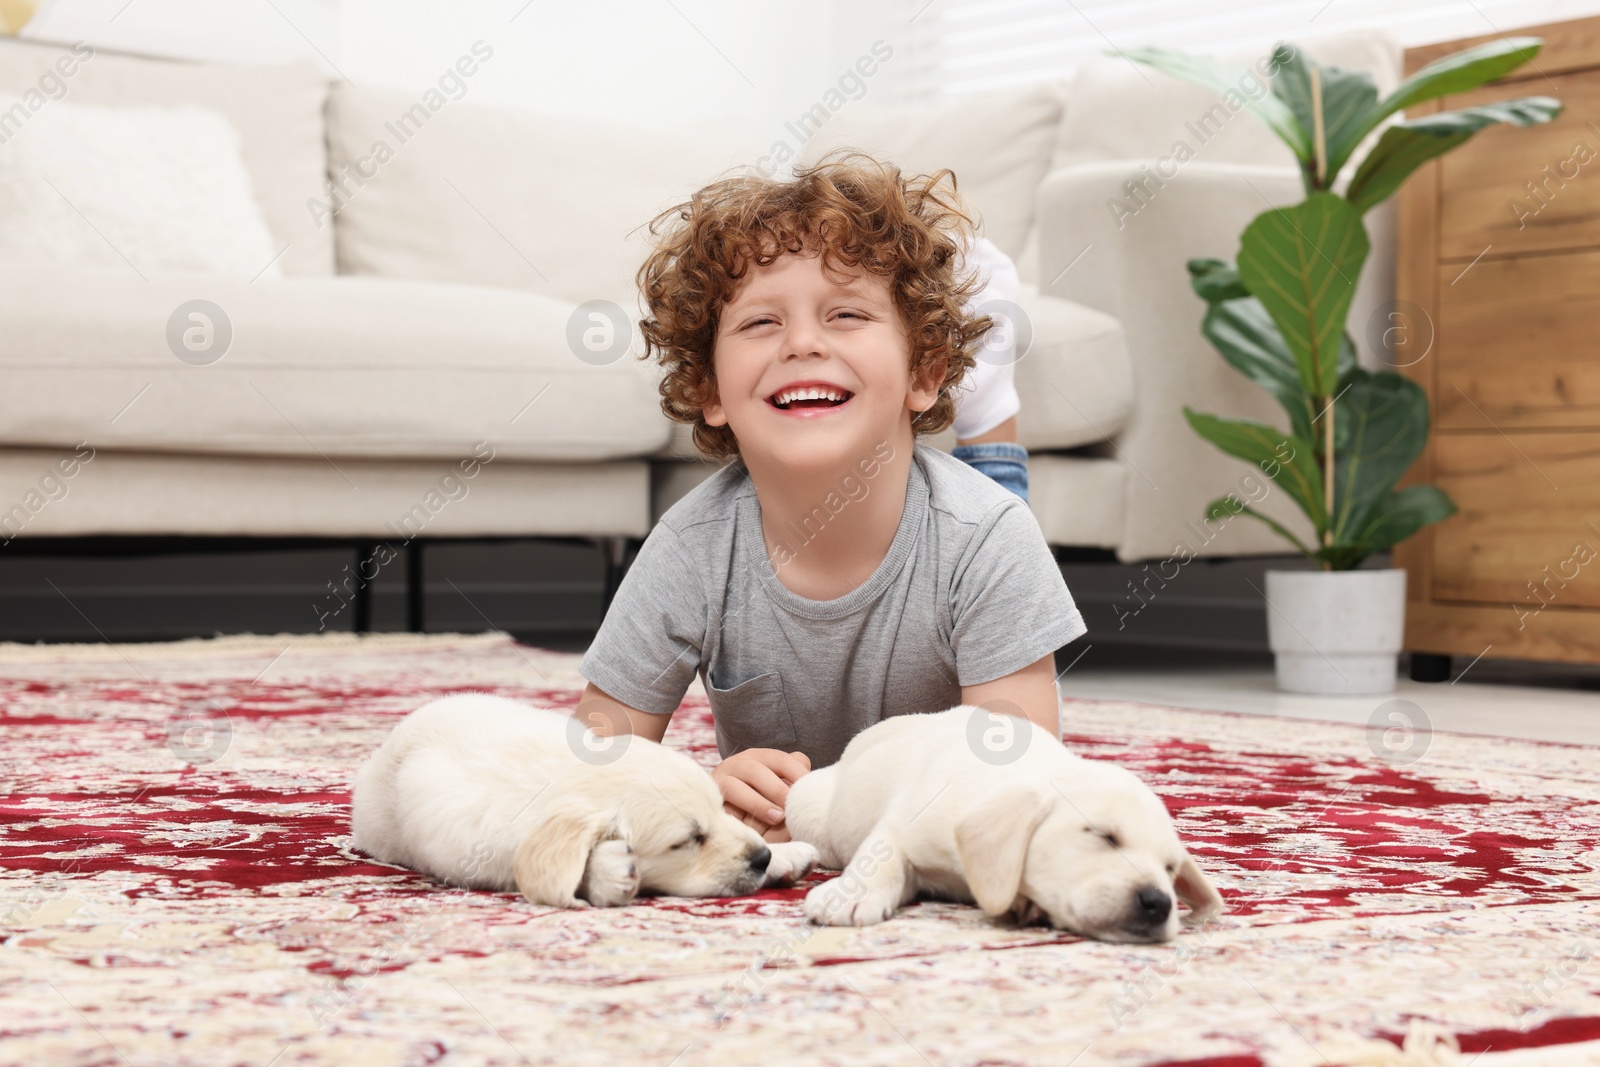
(755, 786)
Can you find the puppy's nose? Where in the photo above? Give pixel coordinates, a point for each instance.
(1153, 905)
(760, 858)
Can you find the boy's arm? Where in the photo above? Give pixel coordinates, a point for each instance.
(1009, 603)
(607, 716)
(647, 649)
(1032, 689)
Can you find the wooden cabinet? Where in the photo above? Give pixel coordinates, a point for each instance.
(1499, 321)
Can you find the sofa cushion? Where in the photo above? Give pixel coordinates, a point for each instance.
(277, 111)
(998, 143)
(512, 198)
(1075, 381)
(325, 367)
(141, 188)
(192, 495)
(1118, 109)
(1079, 500)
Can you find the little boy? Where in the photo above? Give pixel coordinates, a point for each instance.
(837, 572)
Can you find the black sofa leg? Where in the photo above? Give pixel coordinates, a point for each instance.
(615, 551)
(1429, 667)
(414, 586)
(366, 562)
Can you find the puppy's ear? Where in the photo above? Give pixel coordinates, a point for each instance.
(1196, 890)
(554, 853)
(992, 843)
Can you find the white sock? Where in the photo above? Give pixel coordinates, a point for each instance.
(987, 396)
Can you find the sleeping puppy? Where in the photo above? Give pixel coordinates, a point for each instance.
(976, 807)
(488, 793)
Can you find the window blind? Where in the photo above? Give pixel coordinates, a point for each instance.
(953, 47)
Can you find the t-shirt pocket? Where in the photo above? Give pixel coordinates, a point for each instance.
(752, 714)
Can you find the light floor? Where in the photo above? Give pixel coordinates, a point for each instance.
(1499, 698)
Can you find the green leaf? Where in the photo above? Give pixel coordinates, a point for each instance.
(1264, 446)
(1403, 513)
(1228, 78)
(1245, 335)
(1302, 263)
(1220, 507)
(1405, 146)
(1239, 328)
(1347, 97)
(1386, 419)
(1347, 361)
(1341, 557)
(1456, 73)
(1215, 279)
(1348, 370)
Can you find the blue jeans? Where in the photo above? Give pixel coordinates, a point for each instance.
(1004, 461)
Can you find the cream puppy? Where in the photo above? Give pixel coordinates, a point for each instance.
(489, 793)
(977, 807)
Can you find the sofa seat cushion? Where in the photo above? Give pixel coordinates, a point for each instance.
(1075, 380)
(163, 494)
(1079, 500)
(324, 367)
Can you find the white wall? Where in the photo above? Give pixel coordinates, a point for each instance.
(646, 62)
(657, 63)
(661, 62)
(223, 31)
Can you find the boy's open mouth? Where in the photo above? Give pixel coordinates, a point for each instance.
(808, 397)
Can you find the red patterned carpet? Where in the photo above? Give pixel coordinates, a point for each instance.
(177, 887)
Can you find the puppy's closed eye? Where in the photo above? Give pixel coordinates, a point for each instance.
(697, 839)
(1108, 836)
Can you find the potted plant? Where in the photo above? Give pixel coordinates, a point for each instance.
(1277, 315)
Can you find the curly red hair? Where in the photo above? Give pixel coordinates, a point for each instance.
(862, 214)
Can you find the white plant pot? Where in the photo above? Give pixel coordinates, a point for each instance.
(1336, 633)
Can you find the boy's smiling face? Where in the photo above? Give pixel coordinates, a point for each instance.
(791, 323)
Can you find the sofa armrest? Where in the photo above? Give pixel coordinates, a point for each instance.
(1115, 236)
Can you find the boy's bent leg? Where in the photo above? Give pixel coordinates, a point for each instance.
(1004, 461)
(986, 401)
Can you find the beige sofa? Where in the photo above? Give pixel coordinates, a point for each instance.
(433, 295)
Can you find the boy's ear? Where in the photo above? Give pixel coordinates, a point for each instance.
(712, 411)
(925, 393)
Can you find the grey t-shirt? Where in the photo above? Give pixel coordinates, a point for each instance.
(967, 593)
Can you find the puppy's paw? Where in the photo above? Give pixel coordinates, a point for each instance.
(1026, 913)
(612, 877)
(845, 902)
(791, 861)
